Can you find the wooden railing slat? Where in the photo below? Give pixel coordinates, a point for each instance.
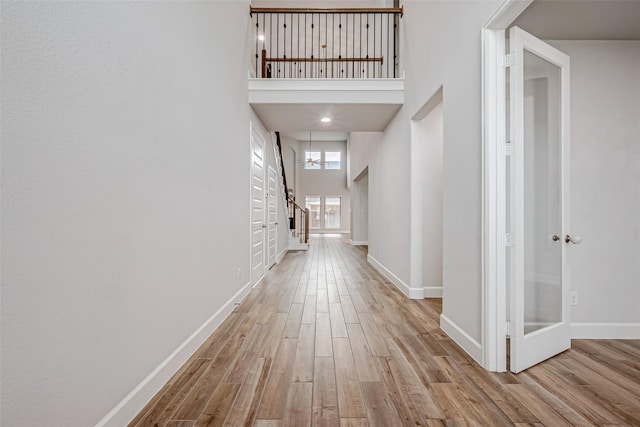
(399, 10)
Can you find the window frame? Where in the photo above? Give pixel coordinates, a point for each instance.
(324, 212)
(324, 156)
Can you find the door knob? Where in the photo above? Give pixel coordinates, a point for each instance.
(555, 237)
(573, 239)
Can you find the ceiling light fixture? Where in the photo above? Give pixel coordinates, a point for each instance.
(325, 120)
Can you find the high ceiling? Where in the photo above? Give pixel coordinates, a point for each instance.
(316, 136)
(344, 117)
(298, 105)
(546, 19)
(582, 19)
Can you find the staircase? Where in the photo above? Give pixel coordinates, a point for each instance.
(298, 226)
(298, 216)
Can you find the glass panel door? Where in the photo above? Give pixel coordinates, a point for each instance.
(542, 213)
(539, 133)
(313, 204)
(332, 212)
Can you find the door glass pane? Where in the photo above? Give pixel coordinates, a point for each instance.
(332, 212)
(313, 204)
(542, 209)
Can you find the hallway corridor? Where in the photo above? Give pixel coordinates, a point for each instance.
(324, 340)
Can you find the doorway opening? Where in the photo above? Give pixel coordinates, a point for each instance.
(510, 190)
(427, 198)
(360, 209)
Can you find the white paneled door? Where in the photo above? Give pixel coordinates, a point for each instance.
(258, 226)
(272, 217)
(538, 197)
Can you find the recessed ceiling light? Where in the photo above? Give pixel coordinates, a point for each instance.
(325, 120)
(261, 37)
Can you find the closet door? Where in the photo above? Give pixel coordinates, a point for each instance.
(539, 186)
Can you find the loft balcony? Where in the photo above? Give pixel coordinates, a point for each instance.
(310, 62)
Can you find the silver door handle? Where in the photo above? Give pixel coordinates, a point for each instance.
(555, 237)
(573, 239)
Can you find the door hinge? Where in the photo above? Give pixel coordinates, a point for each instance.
(508, 239)
(508, 60)
(508, 148)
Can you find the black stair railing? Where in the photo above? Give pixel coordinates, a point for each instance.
(298, 221)
(293, 43)
(298, 216)
(284, 175)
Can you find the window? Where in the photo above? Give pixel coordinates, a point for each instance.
(332, 160)
(324, 212)
(332, 212)
(312, 159)
(313, 204)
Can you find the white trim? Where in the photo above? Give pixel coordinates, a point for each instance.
(417, 190)
(493, 197)
(416, 206)
(413, 293)
(508, 11)
(493, 201)
(281, 255)
(359, 242)
(326, 91)
(136, 400)
(609, 331)
(432, 291)
(464, 340)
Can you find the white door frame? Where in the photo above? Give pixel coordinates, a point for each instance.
(494, 325)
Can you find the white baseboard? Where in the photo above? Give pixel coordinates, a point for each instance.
(281, 255)
(617, 331)
(136, 400)
(464, 340)
(433, 291)
(359, 242)
(312, 232)
(413, 293)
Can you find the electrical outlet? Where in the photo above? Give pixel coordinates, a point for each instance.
(239, 273)
(574, 298)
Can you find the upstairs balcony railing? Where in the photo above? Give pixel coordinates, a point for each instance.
(298, 43)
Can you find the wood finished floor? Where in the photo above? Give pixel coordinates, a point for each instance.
(323, 340)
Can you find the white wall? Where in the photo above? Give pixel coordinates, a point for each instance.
(360, 210)
(605, 179)
(451, 58)
(125, 202)
(430, 135)
(289, 151)
(360, 147)
(321, 182)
